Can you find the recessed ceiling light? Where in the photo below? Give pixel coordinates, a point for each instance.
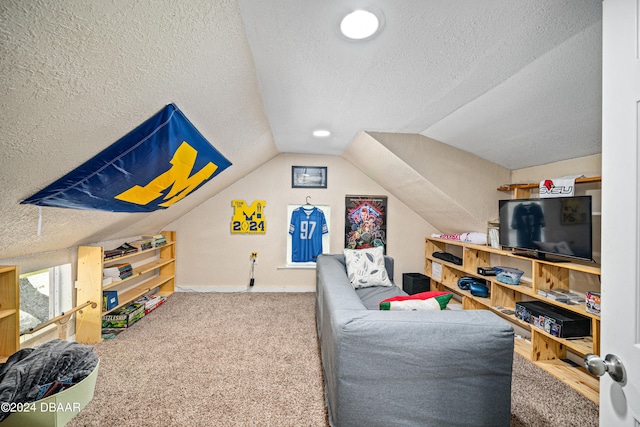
(359, 25)
(321, 133)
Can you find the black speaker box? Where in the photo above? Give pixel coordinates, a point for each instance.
(414, 283)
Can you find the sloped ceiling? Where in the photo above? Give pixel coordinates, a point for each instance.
(454, 189)
(514, 82)
(77, 76)
(491, 77)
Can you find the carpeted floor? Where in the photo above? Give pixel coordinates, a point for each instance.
(540, 400)
(251, 359)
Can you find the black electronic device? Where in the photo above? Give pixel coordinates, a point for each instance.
(477, 287)
(486, 271)
(446, 256)
(559, 226)
(557, 321)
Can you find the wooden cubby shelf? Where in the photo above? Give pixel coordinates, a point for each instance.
(139, 271)
(9, 311)
(523, 191)
(152, 269)
(543, 349)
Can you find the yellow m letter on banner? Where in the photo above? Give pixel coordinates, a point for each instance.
(248, 219)
(177, 177)
(148, 169)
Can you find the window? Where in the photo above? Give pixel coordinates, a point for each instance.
(44, 295)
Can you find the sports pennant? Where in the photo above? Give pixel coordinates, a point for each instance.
(155, 165)
(558, 187)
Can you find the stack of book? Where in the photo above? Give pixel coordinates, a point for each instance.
(143, 244)
(121, 250)
(157, 239)
(119, 272)
(151, 302)
(562, 295)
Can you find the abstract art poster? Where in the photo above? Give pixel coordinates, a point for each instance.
(365, 222)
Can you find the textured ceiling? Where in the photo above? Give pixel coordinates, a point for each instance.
(76, 76)
(516, 82)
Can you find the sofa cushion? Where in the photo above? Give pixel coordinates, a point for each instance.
(432, 300)
(365, 267)
(372, 295)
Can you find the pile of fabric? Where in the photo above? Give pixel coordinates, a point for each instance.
(27, 371)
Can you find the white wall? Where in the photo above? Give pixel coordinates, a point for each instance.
(210, 258)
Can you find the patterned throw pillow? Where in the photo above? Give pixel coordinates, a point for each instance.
(431, 300)
(365, 267)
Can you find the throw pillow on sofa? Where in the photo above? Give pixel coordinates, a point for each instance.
(432, 300)
(365, 267)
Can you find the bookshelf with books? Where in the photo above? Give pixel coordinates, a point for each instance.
(133, 274)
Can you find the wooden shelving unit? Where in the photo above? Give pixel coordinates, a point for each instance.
(543, 349)
(9, 311)
(523, 191)
(152, 268)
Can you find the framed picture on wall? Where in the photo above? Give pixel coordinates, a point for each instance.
(308, 177)
(365, 222)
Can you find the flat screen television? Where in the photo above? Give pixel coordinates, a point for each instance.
(559, 226)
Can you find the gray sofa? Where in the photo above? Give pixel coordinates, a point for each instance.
(408, 368)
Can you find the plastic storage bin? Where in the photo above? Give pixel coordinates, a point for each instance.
(508, 275)
(58, 409)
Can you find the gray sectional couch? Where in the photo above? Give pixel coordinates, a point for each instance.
(408, 368)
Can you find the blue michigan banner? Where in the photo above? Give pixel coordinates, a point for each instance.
(155, 165)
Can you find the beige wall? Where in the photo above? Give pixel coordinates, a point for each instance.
(454, 190)
(211, 258)
(587, 166)
(272, 182)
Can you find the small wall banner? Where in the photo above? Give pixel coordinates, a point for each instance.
(558, 187)
(248, 219)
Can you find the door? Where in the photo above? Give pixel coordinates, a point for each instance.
(620, 401)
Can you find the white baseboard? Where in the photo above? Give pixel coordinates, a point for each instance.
(246, 289)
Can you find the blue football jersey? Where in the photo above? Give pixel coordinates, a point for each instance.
(306, 229)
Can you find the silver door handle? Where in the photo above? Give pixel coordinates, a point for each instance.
(611, 364)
